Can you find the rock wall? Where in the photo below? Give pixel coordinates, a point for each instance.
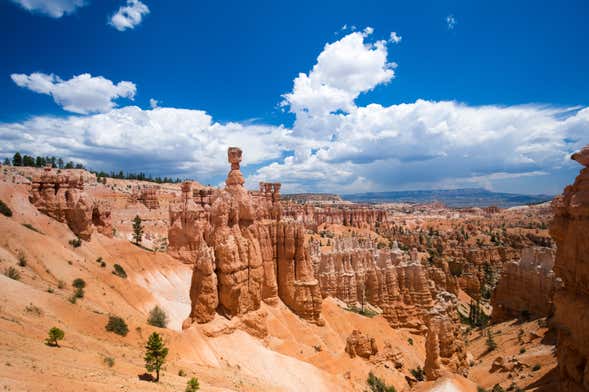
(525, 287)
(570, 230)
(242, 250)
(63, 198)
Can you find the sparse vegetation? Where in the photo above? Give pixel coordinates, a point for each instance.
(410, 341)
(72, 298)
(119, 271)
(497, 388)
(377, 385)
(481, 389)
(117, 325)
(522, 350)
(109, 361)
(192, 385)
(536, 367)
(418, 373)
(79, 283)
(33, 228)
(79, 293)
(490, 342)
(60, 284)
(181, 373)
(137, 230)
(12, 273)
(155, 354)
(364, 312)
(33, 309)
(55, 334)
(157, 317)
(102, 264)
(22, 259)
(75, 243)
(5, 210)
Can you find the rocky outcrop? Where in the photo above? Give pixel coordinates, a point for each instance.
(358, 344)
(149, 197)
(526, 286)
(445, 349)
(570, 230)
(62, 197)
(242, 251)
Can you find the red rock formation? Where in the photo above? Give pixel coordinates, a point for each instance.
(525, 286)
(149, 197)
(445, 349)
(63, 198)
(358, 344)
(570, 230)
(242, 251)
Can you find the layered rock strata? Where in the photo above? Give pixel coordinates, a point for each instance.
(62, 197)
(525, 287)
(570, 230)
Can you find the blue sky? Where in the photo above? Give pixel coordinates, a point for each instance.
(467, 93)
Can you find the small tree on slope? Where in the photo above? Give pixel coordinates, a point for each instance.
(137, 230)
(155, 354)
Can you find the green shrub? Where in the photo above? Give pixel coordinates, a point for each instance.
(497, 388)
(79, 293)
(73, 299)
(157, 317)
(192, 385)
(99, 260)
(109, 361)
(54, 335)
(117, 325)
(490, 342)
(5, 210)
(75, 243)
(181, 373)
(22, 259)
(536, 367)
(481, 389)
(410, 341)
(418, 373)
(377, 385)
(522, 350)
(12, 273)
(119, 271)
(79, 283)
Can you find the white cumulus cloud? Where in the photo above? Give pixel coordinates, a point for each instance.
(81, 94)
(52, 8)
(344, 69)
(129, 16)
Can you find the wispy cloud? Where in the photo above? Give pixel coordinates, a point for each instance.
(52, 8)
(395, 38)
(450, 22)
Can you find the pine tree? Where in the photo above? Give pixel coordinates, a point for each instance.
(6, 162)
(137, 230)
(155, 354)
(17, 159)
(60, 163)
